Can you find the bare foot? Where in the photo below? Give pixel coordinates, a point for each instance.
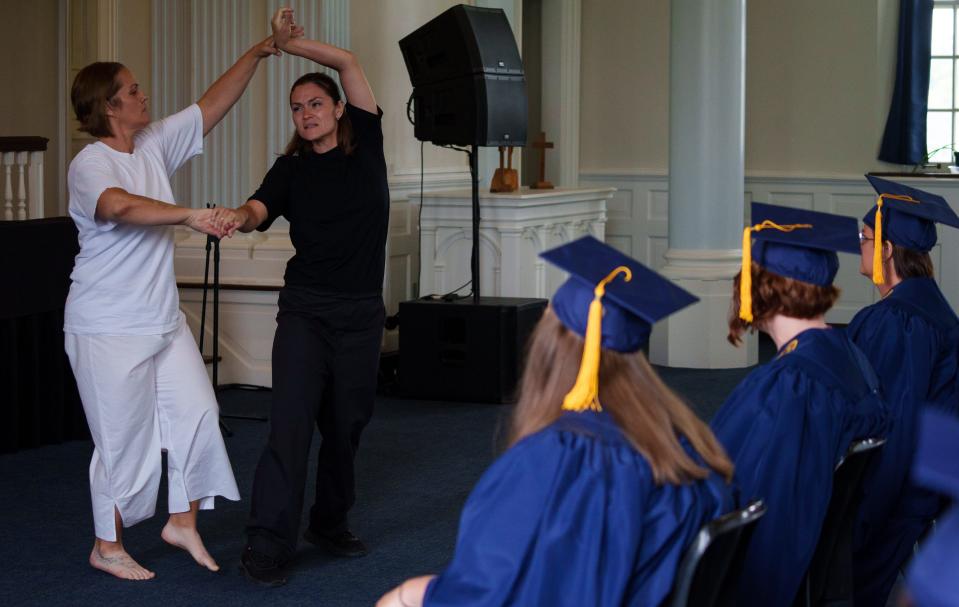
(188, 539)
(120, 564)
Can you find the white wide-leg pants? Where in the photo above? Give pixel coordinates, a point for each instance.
(143, 394)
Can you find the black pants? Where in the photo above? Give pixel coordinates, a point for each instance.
(325, 359)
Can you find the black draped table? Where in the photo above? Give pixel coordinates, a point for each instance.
(39, 403)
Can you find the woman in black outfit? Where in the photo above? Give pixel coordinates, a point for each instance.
(331, 186)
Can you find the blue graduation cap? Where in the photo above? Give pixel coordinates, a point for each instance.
(931, 578)
(794, 243)
(905, 216)
(610, 300)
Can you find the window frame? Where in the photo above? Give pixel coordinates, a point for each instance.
(945, 156)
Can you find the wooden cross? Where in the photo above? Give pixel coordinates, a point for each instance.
(542, 145)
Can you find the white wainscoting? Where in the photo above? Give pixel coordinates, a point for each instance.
(637, 219)
(515, 228)
(247, 317)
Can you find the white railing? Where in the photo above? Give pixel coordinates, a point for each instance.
(22, 177)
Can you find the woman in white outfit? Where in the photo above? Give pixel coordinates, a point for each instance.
(142, 381)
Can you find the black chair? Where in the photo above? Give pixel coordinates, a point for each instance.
(829, 580)
(708, 575)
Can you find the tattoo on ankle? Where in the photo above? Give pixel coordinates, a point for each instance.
(113, 560)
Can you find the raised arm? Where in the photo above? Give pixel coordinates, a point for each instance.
(355, 86)
(222, 94)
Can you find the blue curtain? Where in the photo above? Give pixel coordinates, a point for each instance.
(904, 141)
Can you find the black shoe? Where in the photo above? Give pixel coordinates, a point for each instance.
(343, 543)
(261, 569)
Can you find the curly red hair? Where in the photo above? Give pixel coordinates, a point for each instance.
(774, 294)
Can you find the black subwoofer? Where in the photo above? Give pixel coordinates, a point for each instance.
(464, 351)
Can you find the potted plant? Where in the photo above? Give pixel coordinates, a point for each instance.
(926, 164)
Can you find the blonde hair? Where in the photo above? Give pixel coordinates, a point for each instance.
(651, 416)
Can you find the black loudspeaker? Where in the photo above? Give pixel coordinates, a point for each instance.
(463, 40)
(481, 108)
(468, 80)
(464, 351)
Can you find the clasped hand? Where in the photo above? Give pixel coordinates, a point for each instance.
(218, 221)
(284, 27)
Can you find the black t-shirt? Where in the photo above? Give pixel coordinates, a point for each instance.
(338, 207)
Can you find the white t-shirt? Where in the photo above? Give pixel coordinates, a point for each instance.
(123, 281)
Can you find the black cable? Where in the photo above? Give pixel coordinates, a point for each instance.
(450, 296)
(419, 212)
(419, 227)
(475, 250)
(458, 149)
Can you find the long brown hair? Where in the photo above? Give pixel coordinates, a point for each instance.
(344, 128)
(651, 416)
(774, 294)
(910, 263)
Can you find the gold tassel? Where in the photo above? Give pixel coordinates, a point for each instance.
(746, 275)
(877, 274)
(585, 393)
(746, 278)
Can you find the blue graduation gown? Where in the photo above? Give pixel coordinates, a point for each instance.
(571, 516)
(932, 579)
(912, 339)
(786, 426)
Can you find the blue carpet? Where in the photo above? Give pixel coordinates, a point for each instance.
(415, 468)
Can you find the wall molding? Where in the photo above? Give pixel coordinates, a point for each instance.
(638, 217)
(702, 264)
(406, 182)
(652, 174)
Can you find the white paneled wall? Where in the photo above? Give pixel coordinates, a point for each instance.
(638, 219)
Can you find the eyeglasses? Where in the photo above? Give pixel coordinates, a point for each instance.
(863, 238)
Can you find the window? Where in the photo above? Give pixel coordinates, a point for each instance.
(942, 117)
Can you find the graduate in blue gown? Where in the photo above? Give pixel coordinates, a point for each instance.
(911, 337)
(788, 424)
(609, 476)
(933, 578)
